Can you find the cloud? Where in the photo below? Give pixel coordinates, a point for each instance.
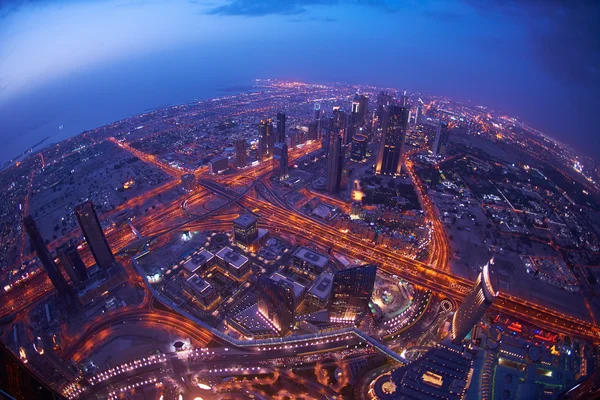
(258, 8)
(564, 36)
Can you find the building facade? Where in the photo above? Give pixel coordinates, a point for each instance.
(351, 291)
(94, 236)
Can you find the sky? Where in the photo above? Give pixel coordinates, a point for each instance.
(86, 63)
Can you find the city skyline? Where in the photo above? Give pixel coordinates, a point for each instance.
(317, 199)
(512, 72)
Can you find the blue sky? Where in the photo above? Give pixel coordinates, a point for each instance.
(86, 63)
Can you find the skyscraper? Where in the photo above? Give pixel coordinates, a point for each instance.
(57, 279)
(363, 108)
(318, 119)
(419, 113)
(72, 263)
(241, 152)
(335, 164)
(337, 127)
(359, 148)
(476, 303)
(384, 99)
(266, 139)
(395, 124)
(277, 304)
(280, 127)
(438, 146)
(352, 290)
(280, 160)
(403, 99)
(94, 236)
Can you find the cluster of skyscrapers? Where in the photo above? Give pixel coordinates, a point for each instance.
(68, 255)
(351, 292)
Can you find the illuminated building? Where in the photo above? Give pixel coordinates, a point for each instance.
(335, 164)
(358, 152)
(57, 279)
(188, 182)
(351, 291)
(440, 141)
(276, 303)
(218, 165)
(363, 108)
(280, 160)
(384, 99)
(245, 229)
(313, 133)
(476, 303)
(94, 236)
(320, 292)
(336, 127)
(309, 261)
(280, 127)
(233, 262)
(419, 113)
(403, 99)
(241, 152)
(298, 289)
(318, 119)
(72, 263)
(266, 139)
(395, 123)
(201, 291)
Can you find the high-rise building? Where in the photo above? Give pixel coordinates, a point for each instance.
(280, 127)
(280, 159)
(419, 113)
(72, 263)
(241, 152)
(188, 182)
(363, 108)
(440, 141)
(355, 103)
(359, 148)
(479, 299)
(351, 292)
(94, 236)
(336, 127)
(266, 139)
(318, 119)
(313, 133)
(395, 124)
(277, 304)
(403, 99)
(352, 128)
(384, 99)
(57, 279)
(245, 229)
(335, 164)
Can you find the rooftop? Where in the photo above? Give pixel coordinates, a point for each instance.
(245, 220)
(235, 259)
(311, 256)
(198, 259)
(322, 286)
(296, 287)
(198, 284)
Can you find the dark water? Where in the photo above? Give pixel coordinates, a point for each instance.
(104, 95)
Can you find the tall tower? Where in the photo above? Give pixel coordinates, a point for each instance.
(266, 139)
(280, 160)
(419, 113)
(352, 289)
(94, 236)
(277, 304)
(318, 119)
(241, 152)
(363, 108)
(384, 99)
(476, 303)
(57, 279)
(404, 99)
(335, 164)
(280, 127)
(72, 263)
(395, 124)
(337, 127)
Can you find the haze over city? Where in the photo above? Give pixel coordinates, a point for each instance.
(320, 199)
(82, 64)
